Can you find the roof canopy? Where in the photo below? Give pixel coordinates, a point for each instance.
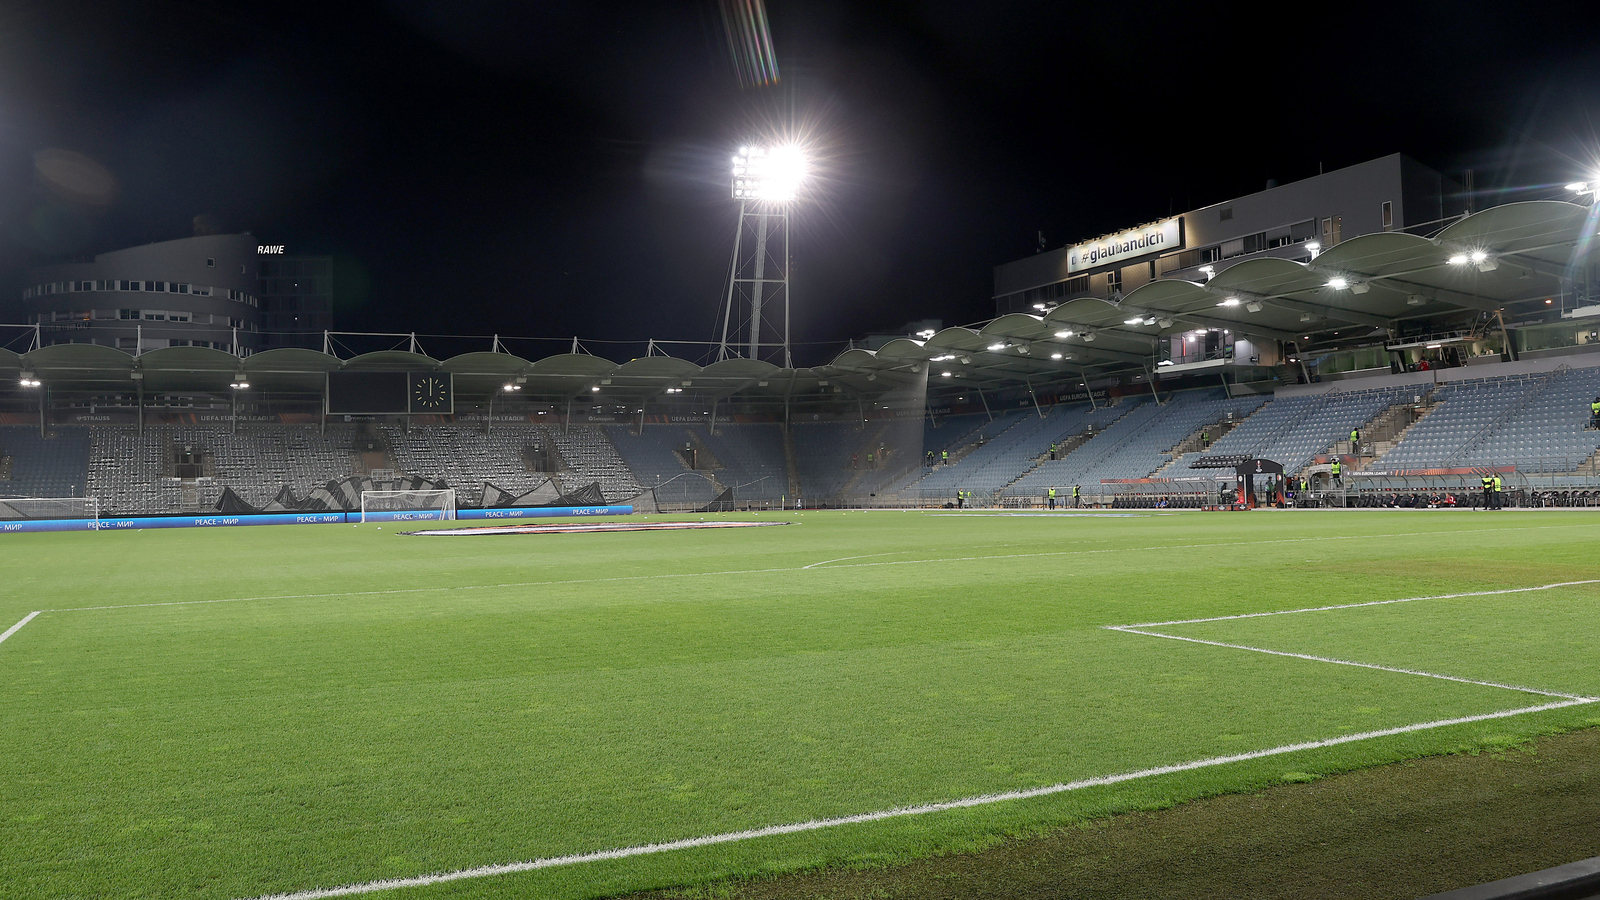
(1508, 254)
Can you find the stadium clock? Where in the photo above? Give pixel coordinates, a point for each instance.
(430, 393)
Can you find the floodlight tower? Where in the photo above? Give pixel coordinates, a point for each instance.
(766, 182)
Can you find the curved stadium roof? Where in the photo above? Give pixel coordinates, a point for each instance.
(1366, 284)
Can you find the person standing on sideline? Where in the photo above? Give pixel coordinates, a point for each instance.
(1488, 492)
(1499, 499)
(1052, 497)
(1077, 496)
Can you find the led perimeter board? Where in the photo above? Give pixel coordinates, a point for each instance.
(390, 393)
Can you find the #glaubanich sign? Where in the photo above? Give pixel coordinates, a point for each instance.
(1126, 245)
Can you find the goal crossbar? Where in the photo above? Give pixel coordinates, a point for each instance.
(408, 506)
(50, 508)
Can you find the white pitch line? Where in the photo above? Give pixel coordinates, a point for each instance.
(1290, 612)
(18, 627)
(907, 562)
(1127, 629)
(898, 812)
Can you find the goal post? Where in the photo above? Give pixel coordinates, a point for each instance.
(13, 508)
(408, 506)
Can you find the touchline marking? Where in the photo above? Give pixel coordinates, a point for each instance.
(18, 627)
(906, 562)
(898, 812)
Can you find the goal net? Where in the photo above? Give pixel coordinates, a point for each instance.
(49, 508)
(397, 506)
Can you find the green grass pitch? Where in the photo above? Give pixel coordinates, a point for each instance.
(234, 713)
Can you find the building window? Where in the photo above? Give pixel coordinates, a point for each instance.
(1152, 270)
(211, 262)
(1331, 226)
(129, 314)
(1388, 215)
(1114, 282)
(1225, 214)
(133, 285)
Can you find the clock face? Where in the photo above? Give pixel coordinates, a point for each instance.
(430, 393)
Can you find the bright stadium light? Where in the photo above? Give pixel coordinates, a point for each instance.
(1231, 301)
(1064, 334)
(773, 175)
(1338, 284)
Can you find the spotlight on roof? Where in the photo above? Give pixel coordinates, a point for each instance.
(1164, 362)
(1315, 247)
(28, 379)
(1231, 301)
(1023, 349)
(1164, 323)
(595, 389)
(925, 333)
(1064, 334)
(1581, 187)
(1484, 262)
(872, 376)
(512, 387)
(1415, 300)
(944, 374)
(1055, 356)
(965, 360)
(997, 346)
(1253, 306)
(1460, 259)
(1209, 271)
(239, 383)
(1038, 306)
(1088, 337)
(1337, 283)
(1136, 320)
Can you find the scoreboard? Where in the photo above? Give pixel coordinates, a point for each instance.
(390, 393)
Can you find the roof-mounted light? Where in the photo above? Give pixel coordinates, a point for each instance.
(1064, 334)
(1338, 283)
(1253, 306)
(1231, 301)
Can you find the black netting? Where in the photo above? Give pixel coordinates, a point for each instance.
(722, 503)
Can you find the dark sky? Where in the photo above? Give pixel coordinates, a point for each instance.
(552, 169)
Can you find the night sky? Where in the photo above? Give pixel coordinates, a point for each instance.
(551, 169)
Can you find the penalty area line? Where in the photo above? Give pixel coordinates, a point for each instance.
(898, 812)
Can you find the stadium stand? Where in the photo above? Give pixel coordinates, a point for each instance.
(1501, 420)
(55, 466)
(1137, 444)
(1294, 430)
(1533, 421)
(655, 461)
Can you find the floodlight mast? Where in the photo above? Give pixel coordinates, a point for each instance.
(765, 182)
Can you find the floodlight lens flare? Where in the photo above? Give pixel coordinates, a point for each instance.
(1338, 284)
(773, 175)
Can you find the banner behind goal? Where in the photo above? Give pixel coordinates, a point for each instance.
(49, 508)
(407, 506)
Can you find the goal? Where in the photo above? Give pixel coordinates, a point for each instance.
(407, 506)
(50, 508)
